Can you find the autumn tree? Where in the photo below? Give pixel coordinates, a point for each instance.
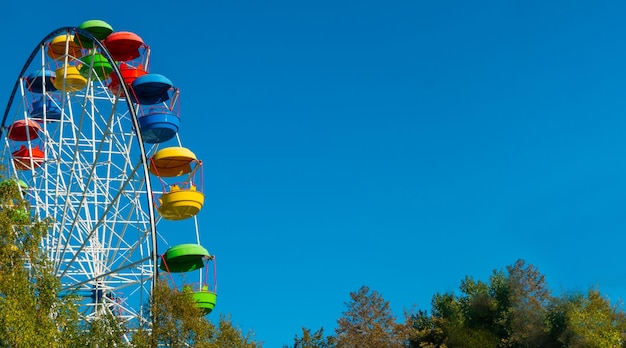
(227, 334)
(529, 296)
(316, 339)
(369, 322)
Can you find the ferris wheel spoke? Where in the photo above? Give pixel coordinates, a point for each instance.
(118, 272)
(94, 228)
(92, 178)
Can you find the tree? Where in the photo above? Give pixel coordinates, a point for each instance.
(226, 334)
(465, 321)
(178, 322)
(507, 311)
(515, 309)
(313, 340)
(32, 312)
(369, 322)
(586, 320)
(428, 333)
(528, 297)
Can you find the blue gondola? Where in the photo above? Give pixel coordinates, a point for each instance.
(158, 125)
(151, 89)
(52, 112)
(35, 81)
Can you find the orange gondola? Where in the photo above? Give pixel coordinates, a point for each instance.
(26, 158)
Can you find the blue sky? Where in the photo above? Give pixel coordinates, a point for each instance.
(399, 144)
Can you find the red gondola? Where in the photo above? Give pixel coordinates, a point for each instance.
(22, 130)
(129, 74)
(123, 45)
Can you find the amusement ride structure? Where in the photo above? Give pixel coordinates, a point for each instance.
(91, 137)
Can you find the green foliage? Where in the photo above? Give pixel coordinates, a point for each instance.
(228, 335)
(176, 319)
(586, 320)
(515, 309)
(427, 331)
(32, 314)
(466, 321)
(178, 322)
(106, 331)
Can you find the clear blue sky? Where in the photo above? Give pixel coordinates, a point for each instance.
(396, 144)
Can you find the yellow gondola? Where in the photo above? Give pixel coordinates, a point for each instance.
(172, 161)
(68, 78)
(183, 199)
(180, 204)
(62, 45)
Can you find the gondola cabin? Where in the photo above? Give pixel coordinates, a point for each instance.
(21, 184)
(8, 185)
(26, 158)
(69, 79)
(180, 202)
(123, 45)
(62, 46)
(23, 130)
(41, 80)
(99, 29)
(205, 299)
(17, 212)
(172, 161)
(151, 89)
(45, 110)
(97, 64)
(184, 258)
(129, 74)
(158, 125)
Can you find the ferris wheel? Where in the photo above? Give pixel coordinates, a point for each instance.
(91, 135)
